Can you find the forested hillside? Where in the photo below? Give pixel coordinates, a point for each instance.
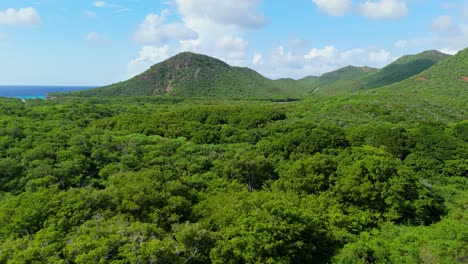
(191, 75)
(377, 176)
(339, 81)
(351, 79)
(154, 180)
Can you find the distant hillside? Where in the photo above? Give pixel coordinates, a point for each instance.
(438, 94)
(194, 75)
(336, 81)
(403, 68)
(191, 75)
(448, 77)
(355, 79)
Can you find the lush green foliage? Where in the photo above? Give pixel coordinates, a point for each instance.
(192, 75)
(370, 177)
(341, 80)
(402, 69)
(354, 79)
(145, 180)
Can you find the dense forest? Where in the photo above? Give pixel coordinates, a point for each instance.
(373, 176)
(171, 180)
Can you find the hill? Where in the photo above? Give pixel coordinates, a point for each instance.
(193, 75)
(403, 68)
(335, 81)
(438, 94)
(354, 80)
(377, 176)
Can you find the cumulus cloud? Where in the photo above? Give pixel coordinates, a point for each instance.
(148, 56)
(151, 30)
(257, 59)
(236, 47)
(442, 23)
(212, 27)
(379, 58)
(282, 62)
(22, 16)
(380, 9)
(203, 28)
(328, 53)
(227, 12)
(334, 7)
(450, 34)
(383, 9)
(449, 51)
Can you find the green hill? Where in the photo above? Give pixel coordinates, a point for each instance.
(336, 81)
(193, 75)
(353, 79)
(402, 69)
(438, 94)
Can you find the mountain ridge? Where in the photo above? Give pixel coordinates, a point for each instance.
(403, 68)
(189, 74)
(192, 75)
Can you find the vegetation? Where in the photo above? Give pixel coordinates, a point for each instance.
(192, 75)
(354, 79)
(402, 69)
(371, 177)
(344, 79)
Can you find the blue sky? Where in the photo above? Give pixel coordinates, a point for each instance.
(69, 42)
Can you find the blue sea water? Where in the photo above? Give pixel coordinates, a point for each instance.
(32, 92)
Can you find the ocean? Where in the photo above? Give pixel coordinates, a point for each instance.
(32, 92)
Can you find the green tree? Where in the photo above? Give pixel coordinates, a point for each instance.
(251, 168)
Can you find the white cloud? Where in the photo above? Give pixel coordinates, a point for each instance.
(151, 30)
(383, 9)
(22, 16)
(379, 58)
(226, 12)
(104, 4)
(117, 8)
(283, 62)
(375, 9)
(148, 56)
(211, 27)
(450, 34)
(334, 7)
(401, 44)
(449, 51)
(257, 59)
(442, 23)
(236, 47)
(327, 54)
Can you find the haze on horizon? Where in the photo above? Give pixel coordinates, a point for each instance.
(100, 42)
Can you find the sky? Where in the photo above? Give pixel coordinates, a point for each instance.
(82, 42)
